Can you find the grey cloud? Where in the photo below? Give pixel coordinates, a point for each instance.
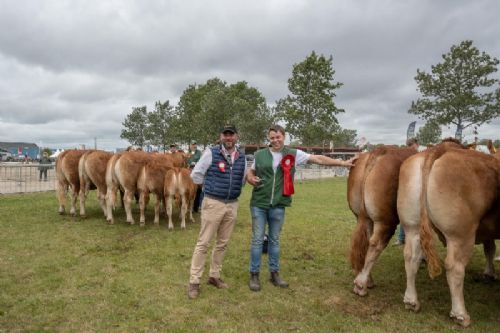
(72, 67)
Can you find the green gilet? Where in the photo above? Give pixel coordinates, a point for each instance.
(269, 193)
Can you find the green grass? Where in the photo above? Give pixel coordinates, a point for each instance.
(65, 274)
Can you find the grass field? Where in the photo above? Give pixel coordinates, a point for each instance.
(67, 274)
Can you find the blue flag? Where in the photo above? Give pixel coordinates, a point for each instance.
(410, 133)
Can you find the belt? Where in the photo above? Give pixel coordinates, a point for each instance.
(220, 199)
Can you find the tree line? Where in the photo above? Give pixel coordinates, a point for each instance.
(459, 91)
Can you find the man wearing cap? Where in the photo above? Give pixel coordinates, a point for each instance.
(173, 148)
(194, 157)
(194, 154)
(221, 170)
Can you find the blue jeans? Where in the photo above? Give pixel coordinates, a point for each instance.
(401, 235)
(274, 218)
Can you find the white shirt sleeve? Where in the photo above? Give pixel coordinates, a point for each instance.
(301, 157)
(200, 169)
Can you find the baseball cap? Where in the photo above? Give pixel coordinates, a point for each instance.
(193, 142)
(229, 128)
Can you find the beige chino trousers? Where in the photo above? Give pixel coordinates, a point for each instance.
(217, 220)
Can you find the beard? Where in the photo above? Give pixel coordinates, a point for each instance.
(228, 144)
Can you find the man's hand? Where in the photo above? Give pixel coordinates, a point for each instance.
(350, 162)
(253, 180)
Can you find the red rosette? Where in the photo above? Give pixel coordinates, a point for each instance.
(222, 166)
(287, 163)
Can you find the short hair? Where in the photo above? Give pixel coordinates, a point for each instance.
(277, 128)
(411, 141)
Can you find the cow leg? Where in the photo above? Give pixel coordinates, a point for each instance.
(413, 256)
(489, 248)
(191, 204)
(458, 255)
(169, 201)
(382, 233)
(110, 202)
(101, 196)
(157, 209)
(142, 207)
(128, 198)
(61, 190)
(184, 206)
(85, 188)
(75, 190)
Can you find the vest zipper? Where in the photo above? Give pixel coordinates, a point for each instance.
(230, 181)
(272, 191)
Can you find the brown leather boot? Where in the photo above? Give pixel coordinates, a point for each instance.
(217, 282)
(254, 283)
(277, 281)
(193, 290)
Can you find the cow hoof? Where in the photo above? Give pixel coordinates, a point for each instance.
(83, 216)
(142, 224)
(412, 306)
(360, 291)
(462, 320)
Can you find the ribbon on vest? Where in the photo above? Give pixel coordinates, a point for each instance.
(222, 166)
(287, 163)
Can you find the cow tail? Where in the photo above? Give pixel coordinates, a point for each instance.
(426, 232)
(359, 244)
(361, 237)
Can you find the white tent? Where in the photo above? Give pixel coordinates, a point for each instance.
(57, 152)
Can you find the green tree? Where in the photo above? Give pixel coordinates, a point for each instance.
(430, 133)
(309, 110)
(459, 90)
(251, 113)
(135, 126)
(204, 109)
(344, 137)
(158, 129)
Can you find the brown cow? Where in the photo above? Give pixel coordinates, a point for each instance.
(179, 159)
(151, 180)
(112, 186)
(371, 193)
(125, 173)
(92, 171)
(67, 176)
(178, 182)
(457, 193)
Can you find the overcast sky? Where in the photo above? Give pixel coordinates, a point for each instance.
(70, 71)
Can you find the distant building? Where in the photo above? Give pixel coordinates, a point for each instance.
(17, 149)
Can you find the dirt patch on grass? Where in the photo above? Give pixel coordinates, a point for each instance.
(364, 308)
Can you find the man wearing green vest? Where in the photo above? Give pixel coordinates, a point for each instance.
(271, 174)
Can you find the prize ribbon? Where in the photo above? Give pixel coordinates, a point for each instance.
(287, 164)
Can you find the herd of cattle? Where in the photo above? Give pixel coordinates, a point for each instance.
(132, 173)
(448, 188)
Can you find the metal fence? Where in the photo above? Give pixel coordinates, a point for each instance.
(22, 178)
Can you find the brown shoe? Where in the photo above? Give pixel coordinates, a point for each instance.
(193, 291)
(217, 283)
